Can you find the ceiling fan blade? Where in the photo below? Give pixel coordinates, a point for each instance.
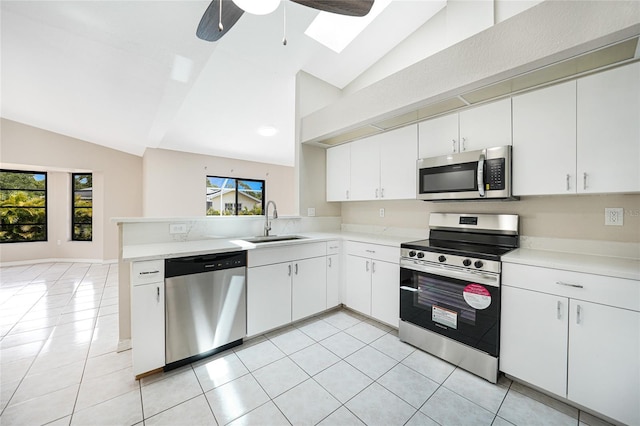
(208, 28)
(341, 7)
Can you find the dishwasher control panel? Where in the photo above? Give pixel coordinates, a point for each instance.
(204, 263)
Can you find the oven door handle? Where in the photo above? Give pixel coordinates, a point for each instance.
(404, 287)
(447, 271)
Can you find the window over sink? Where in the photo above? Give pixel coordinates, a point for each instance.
(227, 196)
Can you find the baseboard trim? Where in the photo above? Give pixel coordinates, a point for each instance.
(58, 260)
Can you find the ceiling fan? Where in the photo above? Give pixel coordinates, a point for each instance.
(219, 18)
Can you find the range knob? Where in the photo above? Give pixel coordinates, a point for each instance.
(442, 258)
(420, 255)
(412, 253)
(466, 262)
(478, 264)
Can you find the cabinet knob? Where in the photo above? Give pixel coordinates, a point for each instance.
(453, 145)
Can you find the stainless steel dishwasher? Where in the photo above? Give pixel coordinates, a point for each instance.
(205, 305)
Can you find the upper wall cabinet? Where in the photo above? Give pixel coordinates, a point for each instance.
(338, 172)
(609, 131)
(378, 167)
(472, 129)
(544, 141)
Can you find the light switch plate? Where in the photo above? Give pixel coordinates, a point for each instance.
(311, 211)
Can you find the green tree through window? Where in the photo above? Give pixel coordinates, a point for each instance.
(23, 206)
(82, 218)
(232, 196)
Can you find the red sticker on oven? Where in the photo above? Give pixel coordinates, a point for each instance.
(477, 296)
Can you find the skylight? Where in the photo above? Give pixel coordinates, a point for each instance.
(337, 31)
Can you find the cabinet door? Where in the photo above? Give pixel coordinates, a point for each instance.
(604, 349)
(533, 338)
(333, 280)
(385, 292)
(544, 141)
(365, 169)
(486, 126)
(609, 131)
(147, 327)
(338, 172)
(309, 287)
(398, 156)
(438, 136)
(358, 284)
(268, 297)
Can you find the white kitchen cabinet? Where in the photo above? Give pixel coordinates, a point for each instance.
(573, 334)
(268, 297)
(372, 281)
(385, 292)
(147, 316)
(383, 166)
(308, 287)
(285, 284)
(608, 131)
(533, 338)
(480, 127)
(604, 360)
(544, 141)
(338, 172)
(333, 274)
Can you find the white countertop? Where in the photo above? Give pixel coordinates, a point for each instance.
(155, 251)
(600, 265)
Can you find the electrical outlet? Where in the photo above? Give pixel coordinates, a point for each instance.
(381, 212)
(178, 228)
(614, 216)
(311, 211)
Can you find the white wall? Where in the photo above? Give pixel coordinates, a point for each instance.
(174, 183)
(117, 191)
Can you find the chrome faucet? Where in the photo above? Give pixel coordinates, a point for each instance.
(267, 225)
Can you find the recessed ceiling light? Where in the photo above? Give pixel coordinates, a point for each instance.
(267, 131)
(337, 31)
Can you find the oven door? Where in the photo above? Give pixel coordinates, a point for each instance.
(461, 305)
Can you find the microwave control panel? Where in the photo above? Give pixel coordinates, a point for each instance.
(494, 174)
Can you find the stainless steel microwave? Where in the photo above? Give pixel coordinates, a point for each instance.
(470, 175)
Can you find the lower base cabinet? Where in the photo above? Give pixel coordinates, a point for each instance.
(268, 297)
(578, 349)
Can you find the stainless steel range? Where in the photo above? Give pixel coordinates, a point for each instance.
(450, 289)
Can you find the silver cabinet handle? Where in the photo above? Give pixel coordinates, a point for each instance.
(559, 307)
(464, 144)
(347, 193)
(381, 192)
(149, 272)
(289, 270)
(367, 266)
(578, 314)
(158, 293)
(584, 180)
(568, 179)
(376, 192)
(373, 267)
(370, 251)
(453, 145)
(296, 269)
(329, 262)
(569, 284)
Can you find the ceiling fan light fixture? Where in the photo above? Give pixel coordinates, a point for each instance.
(257, 7)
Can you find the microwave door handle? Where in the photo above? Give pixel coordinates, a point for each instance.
(480, 173)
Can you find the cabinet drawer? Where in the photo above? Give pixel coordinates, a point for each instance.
(148, 271)
(618, 292)
(333, 247)
(271, 255)
(373, 251)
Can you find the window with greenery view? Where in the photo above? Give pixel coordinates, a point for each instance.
(82, 208)
(23, 206)
(231, 196)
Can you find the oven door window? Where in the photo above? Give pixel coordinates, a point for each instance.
(462, 310)
(450, 178)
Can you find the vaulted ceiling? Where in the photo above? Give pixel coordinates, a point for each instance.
(132, 74)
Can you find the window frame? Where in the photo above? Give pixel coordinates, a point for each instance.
(235, 202)
(45, 207)
(73, 207)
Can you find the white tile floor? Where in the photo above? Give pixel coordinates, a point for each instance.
(59, 366)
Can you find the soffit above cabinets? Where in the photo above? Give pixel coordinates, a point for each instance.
(594, 61)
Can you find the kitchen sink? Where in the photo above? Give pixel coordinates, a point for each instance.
(273, 238)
